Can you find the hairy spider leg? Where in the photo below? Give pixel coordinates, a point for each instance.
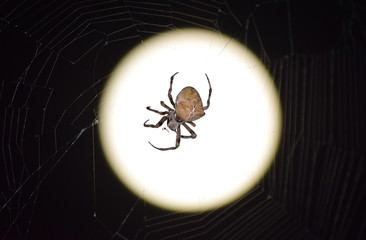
(209, 93)
(166, 106)
(177, 142)
(170, 89)
(156, 111)
(193, 134)
(162, 120)
(192, 123)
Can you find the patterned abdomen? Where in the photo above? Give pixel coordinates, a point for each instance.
(189, 105)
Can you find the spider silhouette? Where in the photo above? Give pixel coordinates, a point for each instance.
(187, 108)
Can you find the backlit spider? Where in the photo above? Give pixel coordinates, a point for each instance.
(187, 108)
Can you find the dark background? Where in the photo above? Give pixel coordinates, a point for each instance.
(56, 57)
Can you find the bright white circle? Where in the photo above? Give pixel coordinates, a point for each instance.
(236, 139)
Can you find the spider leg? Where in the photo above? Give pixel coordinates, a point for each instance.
(156, 111)
(166, 106)
(177, 142)
(193, 134)
(162, 120)
(170, 89)
(209, 93)
(192, 123)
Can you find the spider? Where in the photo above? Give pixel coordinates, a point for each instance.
(187, 108)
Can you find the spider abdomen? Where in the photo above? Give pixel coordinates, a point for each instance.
(188, 105)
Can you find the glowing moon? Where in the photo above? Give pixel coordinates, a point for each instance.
(236, 139)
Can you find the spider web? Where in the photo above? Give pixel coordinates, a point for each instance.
(56, 57)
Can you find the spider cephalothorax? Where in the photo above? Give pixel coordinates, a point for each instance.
(187, 108)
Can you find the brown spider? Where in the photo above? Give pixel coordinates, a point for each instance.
(187, 108)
